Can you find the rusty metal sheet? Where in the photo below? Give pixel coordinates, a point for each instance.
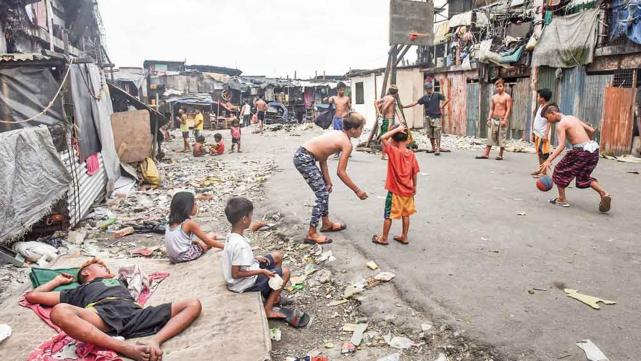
(521, 105)
(618, 115)
(487, 90)
(571, 90)
(591, 109)
(547, 79)
(457, 121)
(473, 108)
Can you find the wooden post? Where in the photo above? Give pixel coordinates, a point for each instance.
(383, 90)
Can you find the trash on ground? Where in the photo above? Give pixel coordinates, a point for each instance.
(384, 276)
(352, 290)
(36, 252)
(591, 301)
(393, 357)
(337, 303)
(348, 347)
(401, 342)
(592, 352)
(275, 334)
(521, 213)
(276, 282)
(357, 336)
(426, 327)
(122, 232)
(372, 265)
(5, 331)
(441, 357)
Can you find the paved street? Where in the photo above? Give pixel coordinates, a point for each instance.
(473, 259)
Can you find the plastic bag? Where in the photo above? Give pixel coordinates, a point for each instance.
(150, 172)
(325, 119)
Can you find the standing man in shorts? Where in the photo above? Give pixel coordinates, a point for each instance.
(184, 129)
(541, 131)
(246, 113)
(498, 120)
(431, 103)
(343, 105)
(579, 161)
(199, 123)
(261, 110)
(386, 109)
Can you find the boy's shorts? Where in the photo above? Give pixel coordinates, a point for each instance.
(186, 135)
(398, 206)
(262, 281)
(235, 140)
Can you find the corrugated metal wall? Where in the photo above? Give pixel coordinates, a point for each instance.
(473, 108)
(571, 90)
(591, 109)
(547, 79)
(618, 115)
(84, 190)
(521, 107)
(487, 90)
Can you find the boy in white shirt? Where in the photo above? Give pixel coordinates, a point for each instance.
(242, 271)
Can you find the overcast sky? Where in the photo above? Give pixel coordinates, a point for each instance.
(260, 37)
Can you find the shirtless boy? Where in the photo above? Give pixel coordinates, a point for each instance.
(261, 111)
(343, 105)
(113, 312)
(317, 176)
(579, 161)
(386, 107)
(498, 120)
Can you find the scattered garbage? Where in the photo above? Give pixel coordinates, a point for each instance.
(275, 334)
(323, 276)
(5, 331)
(384, 276)
(521, 213)
(36, 252)
(352, 290)
(348, 347)
(372, 265)
(122, 232)
(357, 336)
(591, 301)
(401, 342)
(425, 327)
(393, 357)
(77, 237)
(441, 357)
(592, 352)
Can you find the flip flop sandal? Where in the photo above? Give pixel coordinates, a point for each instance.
(294, 317)
(605, 204)
(405, 242)
(311, 241)
(555, 201)
(376, 239)
(499, 158)
(340, 228)
(481, 157)
(437, 153)
(285, 301)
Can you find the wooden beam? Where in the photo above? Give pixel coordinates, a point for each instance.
(400, 57)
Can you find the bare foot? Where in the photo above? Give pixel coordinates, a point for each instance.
(333, 227)
(275, 315)
(154, 349)
(380, 240)
(138, 352)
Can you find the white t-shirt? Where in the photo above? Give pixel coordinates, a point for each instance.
(238, 252)
(246, 109)
(540, 123)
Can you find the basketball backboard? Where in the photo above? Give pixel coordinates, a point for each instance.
(411, 22)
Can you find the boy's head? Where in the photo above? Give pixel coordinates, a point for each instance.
(218, 137)
(235, 122)
(393, 89)
(552, 113)
(500, 86)
(353, 124)
(543, 95)
(200, 139)
(399, 137)
(239, 212)
(341, 88)
(92, 269)
(183, 206)
(428, 87)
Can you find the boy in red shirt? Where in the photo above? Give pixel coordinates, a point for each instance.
(402, 169)
(219, 147)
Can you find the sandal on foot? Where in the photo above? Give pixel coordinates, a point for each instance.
(400, 240)
(556, 201)
(605, 204)
(285, 301)
(437, 153)
(376, 239)
(481, 157)
(499, 158)
(295, 318)
(327, 240)
(341, 226)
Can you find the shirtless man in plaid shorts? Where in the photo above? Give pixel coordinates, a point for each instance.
(578, 162)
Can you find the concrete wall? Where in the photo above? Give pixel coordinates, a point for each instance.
(410, 89)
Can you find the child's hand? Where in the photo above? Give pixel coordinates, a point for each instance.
(361, 195)
(262, 259)
(64, 278)
(401, 128)
(267, 273)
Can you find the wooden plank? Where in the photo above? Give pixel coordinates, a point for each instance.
(618, 115)
(132, 135)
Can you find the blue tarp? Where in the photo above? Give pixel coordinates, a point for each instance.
(626, 20)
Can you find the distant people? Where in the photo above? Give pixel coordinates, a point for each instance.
(244, 272)
(386, 108)
(246, 113)
(261, 111)
(343, 106)
(219, 146)
(184, 129)
(317, 150)
(402, 171)
(199, 147)
(199, 123)
(498, 120)
(235, 135)
(541, 131)
(102, 307)
(184, 239)
(433, 109)
(579, 162)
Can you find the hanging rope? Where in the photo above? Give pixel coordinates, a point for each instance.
(46, 109)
